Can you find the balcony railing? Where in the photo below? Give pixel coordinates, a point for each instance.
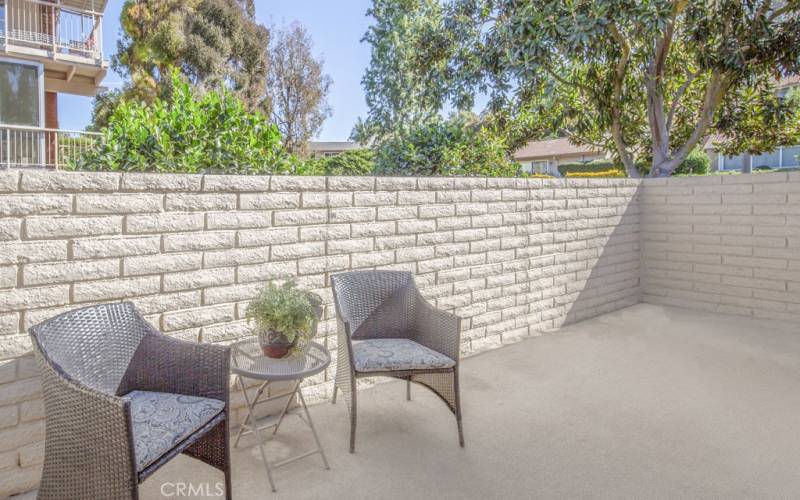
(52, 27)
(33, 147)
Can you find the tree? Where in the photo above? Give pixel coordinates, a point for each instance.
(643, 80)
(191, 132)
(216, 44)
(297, 89)
(403, 85)
(458, 146)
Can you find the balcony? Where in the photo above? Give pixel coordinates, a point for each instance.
(34, 147)
(65, 38)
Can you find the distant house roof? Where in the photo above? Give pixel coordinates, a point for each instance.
(333, 146)
(550, 148)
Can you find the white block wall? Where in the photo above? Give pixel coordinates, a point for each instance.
(512, 257)
(729, 244)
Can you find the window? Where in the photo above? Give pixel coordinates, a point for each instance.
(20, 94)
(535, 167)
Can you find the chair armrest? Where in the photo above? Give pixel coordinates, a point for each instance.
(90, 425)
(436, 329)
(343, 357)
(165, 364)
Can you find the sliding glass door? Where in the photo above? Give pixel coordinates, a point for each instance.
(21, 113)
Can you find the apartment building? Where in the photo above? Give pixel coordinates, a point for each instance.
(48, 48)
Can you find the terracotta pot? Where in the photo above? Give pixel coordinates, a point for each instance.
(274, 344)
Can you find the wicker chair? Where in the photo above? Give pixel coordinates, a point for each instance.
(122, 399)
(386, 328)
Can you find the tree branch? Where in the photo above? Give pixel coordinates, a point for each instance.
(616, 113)
(690, 76)
(583, 140)
(717, 87)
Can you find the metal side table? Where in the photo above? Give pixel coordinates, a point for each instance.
(247, 361)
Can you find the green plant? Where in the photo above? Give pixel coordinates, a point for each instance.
(762, 168)
(566, 169)
(189, 133)
(697, 163)
(601, 173)
(285, 309)
(353, 162)
(446, 147)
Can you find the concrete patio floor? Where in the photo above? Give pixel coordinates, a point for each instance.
(647, 402)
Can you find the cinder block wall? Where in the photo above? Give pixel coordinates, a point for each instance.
(728, 244)
(512, 257)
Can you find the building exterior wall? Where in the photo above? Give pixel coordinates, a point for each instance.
(729, 243)
(511, 257)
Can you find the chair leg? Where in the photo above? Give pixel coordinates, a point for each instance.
(353, 415)
(228, 491)
(227, 453)
(408, 389)
(457, 393)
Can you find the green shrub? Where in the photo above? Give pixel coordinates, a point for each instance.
(762, 168)
(697, 163)
(451, 147)
(209, 133)
(354, 162)
(587, 167)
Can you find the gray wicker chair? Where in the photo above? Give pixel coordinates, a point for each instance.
(122, 399)
(386, 328)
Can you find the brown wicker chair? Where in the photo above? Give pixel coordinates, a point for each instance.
(122, 399)
(386, 328)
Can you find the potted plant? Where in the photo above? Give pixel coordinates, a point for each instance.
(285, 318)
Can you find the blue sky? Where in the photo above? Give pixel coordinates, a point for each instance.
(336, 28)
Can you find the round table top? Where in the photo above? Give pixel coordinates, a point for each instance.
(248, 361)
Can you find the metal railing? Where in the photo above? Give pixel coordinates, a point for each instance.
(34, 147)
(50, 26)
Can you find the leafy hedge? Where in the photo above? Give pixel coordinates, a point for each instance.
(353, 162)
(697, 163)
(445, 147)
(603, 173)
(188, 133)
(589, 167)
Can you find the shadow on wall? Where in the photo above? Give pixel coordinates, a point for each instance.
(606, 260)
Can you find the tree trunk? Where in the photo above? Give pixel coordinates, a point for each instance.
(747, 165)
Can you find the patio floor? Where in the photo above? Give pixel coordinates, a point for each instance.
(645, 402)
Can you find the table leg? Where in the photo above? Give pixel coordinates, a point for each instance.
(254, 427)
(250, 408)
(286, 407)
(313, 430)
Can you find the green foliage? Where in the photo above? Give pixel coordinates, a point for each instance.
(697, 163)
(286, 309)
(210, 133)
(402, 85)
(215, 44)
(638, 79)
(586, 167)
(439, 147)
(354, 162)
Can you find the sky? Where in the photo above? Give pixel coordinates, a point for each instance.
(336, 28)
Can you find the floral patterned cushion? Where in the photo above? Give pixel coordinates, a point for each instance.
(377, 355)
(162, 420)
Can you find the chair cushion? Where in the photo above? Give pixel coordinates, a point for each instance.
(161, 421)
(378, 355)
